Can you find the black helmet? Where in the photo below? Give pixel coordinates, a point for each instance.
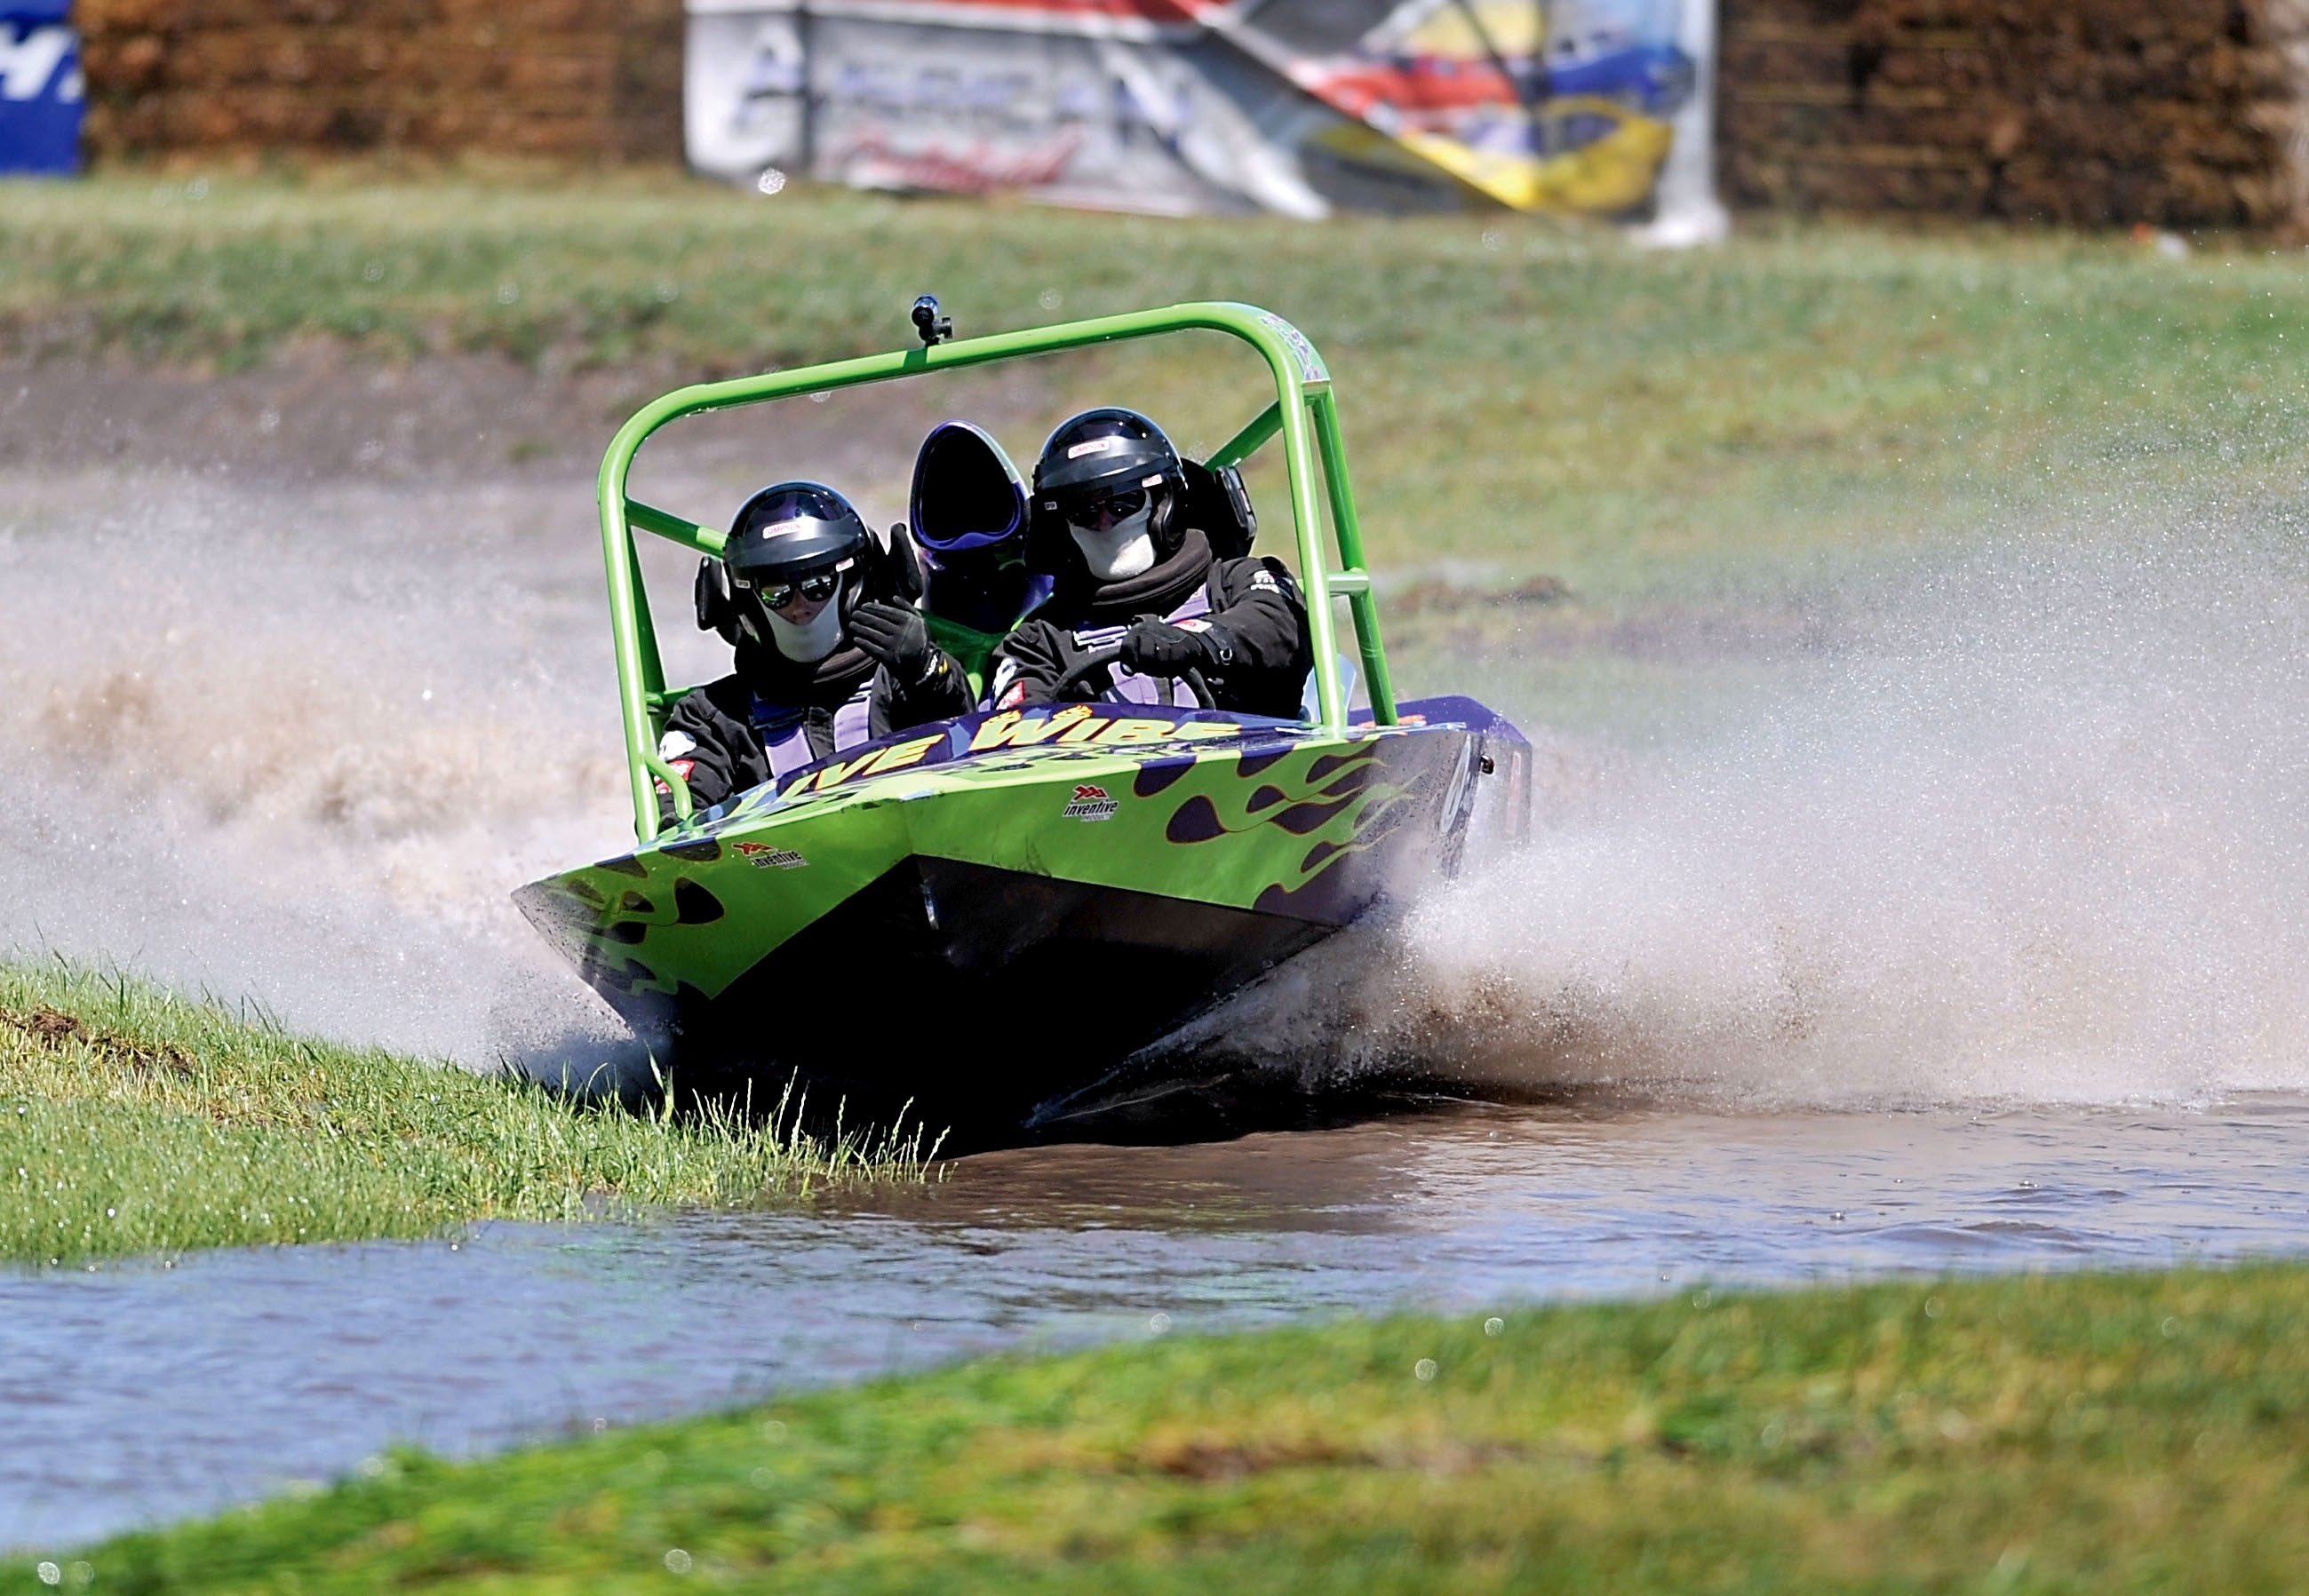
(1102, 450)
(1112, 458)
(793, 535)
(791, 530)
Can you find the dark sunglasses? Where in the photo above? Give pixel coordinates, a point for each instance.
(817, 587)
(1108, 509)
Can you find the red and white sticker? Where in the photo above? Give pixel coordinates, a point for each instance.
(1089, 803)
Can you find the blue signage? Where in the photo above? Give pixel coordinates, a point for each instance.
(41, 91)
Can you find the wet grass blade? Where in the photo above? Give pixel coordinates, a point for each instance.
(134, 1121)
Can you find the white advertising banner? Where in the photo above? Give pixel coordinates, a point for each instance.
(1297, 107)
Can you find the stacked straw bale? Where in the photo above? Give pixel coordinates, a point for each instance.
(594, 79)
(2087, 112)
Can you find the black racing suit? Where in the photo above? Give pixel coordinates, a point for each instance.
(771, 716)
(1251, 607)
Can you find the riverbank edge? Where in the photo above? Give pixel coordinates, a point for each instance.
(2032, 1433)
(136, 1121)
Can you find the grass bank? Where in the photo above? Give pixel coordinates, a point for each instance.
(133, 1121)
(1516, 393)
(2143, 1432)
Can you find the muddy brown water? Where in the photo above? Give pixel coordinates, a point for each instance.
(1961, 927)
(137, 1394)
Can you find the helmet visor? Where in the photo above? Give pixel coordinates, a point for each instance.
(1100, 510)
(817, 588)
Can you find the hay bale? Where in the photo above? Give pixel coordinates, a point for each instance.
(2095, 112)
(597, 79)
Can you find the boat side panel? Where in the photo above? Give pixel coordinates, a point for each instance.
(655, 929)
(998, 991)
(1257, 815)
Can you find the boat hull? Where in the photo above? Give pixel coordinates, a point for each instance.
(983, 916)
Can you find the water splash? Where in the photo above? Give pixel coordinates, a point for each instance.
(286, 721)
(2032, 826)
(2029, 823)
(296, 745)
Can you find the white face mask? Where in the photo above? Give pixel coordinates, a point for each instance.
(1124, 549)
(814, 639)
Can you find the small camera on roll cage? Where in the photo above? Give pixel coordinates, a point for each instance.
(935, 329)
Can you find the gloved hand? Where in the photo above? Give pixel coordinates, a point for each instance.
(1157, 648)
(895, 636)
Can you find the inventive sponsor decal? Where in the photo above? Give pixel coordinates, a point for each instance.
(763, 857)
(1090, 803)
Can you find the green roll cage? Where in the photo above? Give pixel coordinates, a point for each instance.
(1303, 412)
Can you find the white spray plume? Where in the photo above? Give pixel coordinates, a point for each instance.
(2034, 827)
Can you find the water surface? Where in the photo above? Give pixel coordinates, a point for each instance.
(2014, 822)
(142, 1393)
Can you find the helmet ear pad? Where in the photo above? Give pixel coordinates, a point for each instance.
(905, 566)
(854, 583)
(717, 606)
(1166, 524)
(1219, 504)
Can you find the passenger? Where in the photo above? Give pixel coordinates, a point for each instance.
(968, 513)
(825, 658)
(1112, 511)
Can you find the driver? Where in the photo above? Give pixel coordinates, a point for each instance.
(1133, 572)
(826, 659)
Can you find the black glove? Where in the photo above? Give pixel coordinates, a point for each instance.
(896, 636)
(1157, 648)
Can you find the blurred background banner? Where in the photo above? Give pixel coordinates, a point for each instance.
(41, 94)
(1299, 106)
(2088, 113)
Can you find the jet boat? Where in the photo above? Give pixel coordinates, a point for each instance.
(986, 916)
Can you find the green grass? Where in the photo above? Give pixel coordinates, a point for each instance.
(133, 1121)
(1517, 393)
(2080, 1433)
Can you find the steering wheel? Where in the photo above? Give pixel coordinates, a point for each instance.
(1098, 659)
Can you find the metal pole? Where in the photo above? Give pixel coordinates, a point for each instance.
(1347, 525)
(805, 37)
